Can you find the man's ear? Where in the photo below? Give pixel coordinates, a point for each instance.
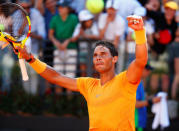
(115, 59)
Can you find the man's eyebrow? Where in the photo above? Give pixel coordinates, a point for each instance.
(102, 52)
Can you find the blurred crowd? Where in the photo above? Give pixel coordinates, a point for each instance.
(61, 31)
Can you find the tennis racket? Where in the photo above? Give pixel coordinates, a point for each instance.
(17, 31)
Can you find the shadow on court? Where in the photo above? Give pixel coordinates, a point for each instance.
(42, 123)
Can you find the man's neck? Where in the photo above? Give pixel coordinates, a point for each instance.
(64, 17)
(52, 10)
(169, 21)
(107, 76)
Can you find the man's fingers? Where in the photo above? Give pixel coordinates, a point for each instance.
(15, 51)
(132, 25)
(134, 19)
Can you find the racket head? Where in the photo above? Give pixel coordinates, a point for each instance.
(15, 25)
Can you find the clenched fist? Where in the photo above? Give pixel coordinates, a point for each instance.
(135, 22)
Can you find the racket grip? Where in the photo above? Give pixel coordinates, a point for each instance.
(25, 77)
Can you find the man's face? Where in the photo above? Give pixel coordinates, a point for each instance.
(169, 13)
(63, 10)
(88, 23)
(26, 6)
(49, 4)
(155, 4)
(111, 12)
(102, 59)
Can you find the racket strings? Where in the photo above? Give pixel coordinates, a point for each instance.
(13, 21)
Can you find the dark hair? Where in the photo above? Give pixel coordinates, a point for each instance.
(108, 45)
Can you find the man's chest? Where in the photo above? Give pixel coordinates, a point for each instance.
(104, 95)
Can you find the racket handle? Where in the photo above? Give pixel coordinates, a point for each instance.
(25, 77)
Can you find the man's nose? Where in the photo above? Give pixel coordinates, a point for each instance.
(99, 57)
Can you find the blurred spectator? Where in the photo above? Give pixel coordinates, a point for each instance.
(165, 28)
(61, 29)
(112, 27)
(37, 36)
(86, 29)
(165, 25)
(78, 5)
(6, 65)
(140, 11)
(6, 57)
(155, 5)
(143, 2)
(127, 7)
(142, 103)
(48, 9)
(45, 6)
(39, 5)
(174, 64)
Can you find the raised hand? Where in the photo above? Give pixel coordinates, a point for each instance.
(24, 53)
(135, 22)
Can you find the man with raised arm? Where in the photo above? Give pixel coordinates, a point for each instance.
(110, 99)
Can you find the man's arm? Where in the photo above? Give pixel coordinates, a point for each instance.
(144, 103)
(116, 41)
(53, 39)
(48, 72)
(39, 4)
(103, 26)
(57, 78)
(135, 69)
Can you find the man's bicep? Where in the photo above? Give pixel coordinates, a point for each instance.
(69, 83)
(135, 69)
(59, 79)
(134, 72)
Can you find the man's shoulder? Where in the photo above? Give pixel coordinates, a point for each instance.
(78, 26)
(122, 74)
(56, 17)
(73, 16)
(86, 81)
(123, 77)
(35, 12)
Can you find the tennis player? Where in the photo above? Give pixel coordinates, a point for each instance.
(110, 99)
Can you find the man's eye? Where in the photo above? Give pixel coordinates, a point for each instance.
(103, 54)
